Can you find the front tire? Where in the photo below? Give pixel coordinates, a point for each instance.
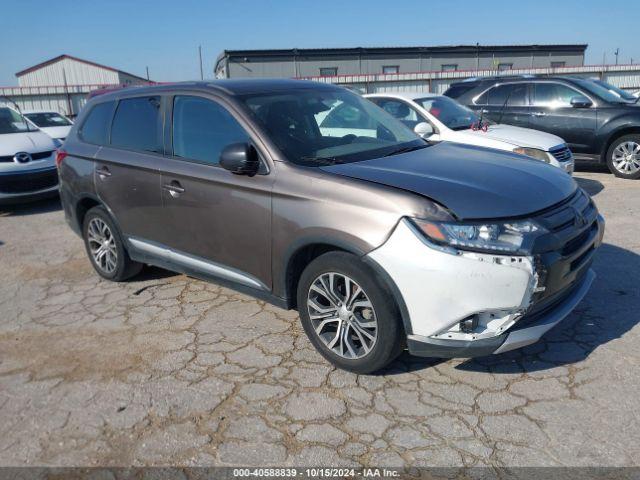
(349, 317)
(105, 247)
(623, 157)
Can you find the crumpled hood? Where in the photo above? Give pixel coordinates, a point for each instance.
(517, 136)
(30, 142)
(472, 182)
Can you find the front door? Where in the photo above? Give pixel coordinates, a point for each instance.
(552, 112)
(216, 222)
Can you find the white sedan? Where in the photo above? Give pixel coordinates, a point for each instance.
(54, 124)
(440, 118)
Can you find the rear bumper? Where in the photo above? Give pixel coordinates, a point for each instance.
(532, 329)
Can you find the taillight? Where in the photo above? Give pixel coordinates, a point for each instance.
(60, 156)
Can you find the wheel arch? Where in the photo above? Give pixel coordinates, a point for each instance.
(304, 253)
(616, 134)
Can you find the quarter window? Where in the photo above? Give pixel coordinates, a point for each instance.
(554, 95)
(510, 94)
(202, 129)
(136, 124)
(95, 128)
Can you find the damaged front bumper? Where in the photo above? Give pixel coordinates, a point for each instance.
(527, 330)
(470, 304)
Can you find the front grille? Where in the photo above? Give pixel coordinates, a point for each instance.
(562, 153)
(29, 181)
(34, 156)
(565, 253)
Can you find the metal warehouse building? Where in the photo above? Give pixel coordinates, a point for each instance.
(62, 84)
(331, 62)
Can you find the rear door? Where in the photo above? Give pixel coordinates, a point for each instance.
(126, 171)
(216, 222)
(507, 103)
(552, 112)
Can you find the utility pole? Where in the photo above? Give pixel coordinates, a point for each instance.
(200, 56)
(616, 54)
(147, 73)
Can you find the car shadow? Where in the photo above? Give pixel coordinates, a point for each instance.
(608, 311)
(31, 208)
(592, 187)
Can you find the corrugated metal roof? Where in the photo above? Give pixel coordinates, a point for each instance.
(70, 57)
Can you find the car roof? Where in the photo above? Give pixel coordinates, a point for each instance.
(226, 86)
(404, 95)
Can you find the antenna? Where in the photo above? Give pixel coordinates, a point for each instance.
(616, 54)
(200, 55)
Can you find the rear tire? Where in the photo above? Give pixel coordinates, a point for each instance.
(105, 248)
(349, 317)
(623, 157)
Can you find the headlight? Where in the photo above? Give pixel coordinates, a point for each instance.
(533, 153)
(515, 237)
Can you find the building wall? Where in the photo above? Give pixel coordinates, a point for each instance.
(76, 73)
(309, 66)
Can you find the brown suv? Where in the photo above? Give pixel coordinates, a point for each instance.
(309, 196)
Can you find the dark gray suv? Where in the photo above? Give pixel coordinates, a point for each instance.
(311, 197)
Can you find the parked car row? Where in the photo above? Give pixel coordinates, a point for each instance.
(598, 124)
(312, 197)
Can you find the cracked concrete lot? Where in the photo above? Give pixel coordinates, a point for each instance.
(169, 370)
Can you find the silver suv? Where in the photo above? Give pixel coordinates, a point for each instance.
(311, 197)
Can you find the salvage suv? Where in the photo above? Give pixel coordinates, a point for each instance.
(380, 240)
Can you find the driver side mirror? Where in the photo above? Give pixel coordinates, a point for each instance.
(423, 129)
(580, 102)
(240, 159)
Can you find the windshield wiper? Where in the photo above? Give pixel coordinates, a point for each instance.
(321, 160)
(405, 150)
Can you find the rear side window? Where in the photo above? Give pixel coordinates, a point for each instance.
(136, 124)
(513, 94)
(454, 91)
(202, 129)
(95, 128)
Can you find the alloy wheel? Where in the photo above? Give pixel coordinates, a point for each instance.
(102, 245)
(342, 315)
(626, 157)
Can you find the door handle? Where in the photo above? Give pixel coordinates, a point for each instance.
(174, 188)
(538, 114)
(103, 172)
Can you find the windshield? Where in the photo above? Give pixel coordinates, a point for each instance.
(12, 122)
(617, 91)
(320, 127)
(48, 119)
(448, 111)
(599, 90)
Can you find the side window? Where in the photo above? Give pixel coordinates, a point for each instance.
(400, 110)
(95, 128)
(514, 94)
(202, 129)
(554, 95)
(136, 124)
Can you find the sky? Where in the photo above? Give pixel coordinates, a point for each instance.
(164, 35)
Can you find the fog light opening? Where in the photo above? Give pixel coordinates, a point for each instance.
(469, 324)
